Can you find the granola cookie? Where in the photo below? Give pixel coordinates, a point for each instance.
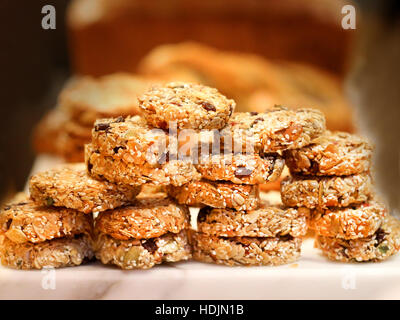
(324, 192)
(353, 222)
(238, 251)
(266, 221)
(56, 253)
(334, 153)
(275, 129)
(70, 186)
(241, 168)
(190, 106)
(379, 246)
(87, 98)
(122, 169)
(216, 194)
(142, 254)
(28, 222)
(147, 218)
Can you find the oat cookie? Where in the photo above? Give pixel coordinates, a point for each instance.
(353, 222)
(191, 106)
(246, 251)
(122, 170)
(147, 218)
(70, 186)
(334, 153)
(87, 98)
(379, 246)
(28, 222)
(143, 254)
(275, 129)
(216, 194)
(324, 192)
(241, 168)
(56, 253)
(266, 221)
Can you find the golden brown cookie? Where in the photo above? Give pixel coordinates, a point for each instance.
(70, 186)
(379, 246)
(266, 221)
(241, 168)
(56, 253)
(246, 251)
(334, 153)
(216, 194)
(324, 192)
(28, 222)
(147, 218)
(122, 169)
(275, 129)
(358, 221)
(143, 254)
(186, 105)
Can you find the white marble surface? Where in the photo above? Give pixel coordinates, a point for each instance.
(312, 277)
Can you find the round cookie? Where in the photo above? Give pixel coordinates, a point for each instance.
(186, 105)
(379, 246)
(348, 223)
(273, 130)
(70, 186)
(334, 153)
(324, 192)
(28, 222)
(143, 254)
(87, 98)
(246, 251)
(241, 168)
(266, 221)
(121, 169)
(216, 194)
(56, 253)
(147, 218)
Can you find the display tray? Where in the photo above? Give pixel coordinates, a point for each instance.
(312, 277)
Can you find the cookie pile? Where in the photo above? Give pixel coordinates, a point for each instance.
(52, 228)
(66, 129)
(234, 226)
(331, 180)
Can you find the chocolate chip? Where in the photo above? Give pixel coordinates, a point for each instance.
(116, 149)
(208, 106)
(150, 245)
(242, 171)
(101, 127)
(256, 121)
(89, 167)
(8, 223)
(253, 113)
(380, 236)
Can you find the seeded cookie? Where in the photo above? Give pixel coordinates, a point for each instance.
(216, 194)
(266, 221)
(188, 106)
(28, 222)
(353, 222)
(241, 168)
(377, 247)
(245, 250)
(122, 169)
(56, 253)
(87, 98)
(334, 153)
(147, 218)
(143, 254)
(70, 186)
(275, 129)
(324, 192)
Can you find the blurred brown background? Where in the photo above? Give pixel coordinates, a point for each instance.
(109, 36)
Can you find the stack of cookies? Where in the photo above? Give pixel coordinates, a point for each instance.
(234, 226)
(331, 180)
(66, 129)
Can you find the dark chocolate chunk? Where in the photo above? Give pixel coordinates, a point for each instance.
(101, 126)
(150, 245)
